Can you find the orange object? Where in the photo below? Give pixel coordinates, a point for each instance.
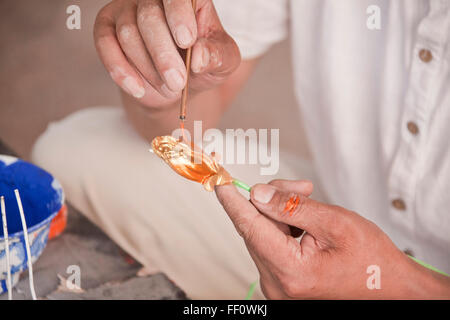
(58, 223)
(291, 204)
(189, 163)
(183, 134)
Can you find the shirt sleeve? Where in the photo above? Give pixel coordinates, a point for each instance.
(255, 25)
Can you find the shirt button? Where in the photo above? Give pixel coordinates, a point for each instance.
(425, 55)
(412, 127)
(398, 204)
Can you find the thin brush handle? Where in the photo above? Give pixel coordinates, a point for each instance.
(184, 94)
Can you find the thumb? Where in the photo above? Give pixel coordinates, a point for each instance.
(217, 55)
(215, 52)
(320, 220)
(261, 235)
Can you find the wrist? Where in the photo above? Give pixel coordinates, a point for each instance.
(423, 283)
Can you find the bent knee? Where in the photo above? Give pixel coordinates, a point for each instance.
(66, 147)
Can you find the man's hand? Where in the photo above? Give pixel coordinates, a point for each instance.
(332, 258)
(139, 43)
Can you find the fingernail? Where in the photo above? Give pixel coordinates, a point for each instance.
(174, 79)
(200, 62)
(205, 57)
(131, 85)
(183, 36)
(263, 193)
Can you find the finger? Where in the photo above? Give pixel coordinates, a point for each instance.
(182, 23)
(110, 53)
(134, 48)
(215, 52)
(322, 221)
(268, 283)
(260, 234)
(303, 187)
(242, 213)
(218, 55)
(158, 40)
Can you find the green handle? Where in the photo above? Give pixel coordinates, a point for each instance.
(241, 185)
(251, 290)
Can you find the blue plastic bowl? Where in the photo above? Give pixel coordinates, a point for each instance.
(42, 197)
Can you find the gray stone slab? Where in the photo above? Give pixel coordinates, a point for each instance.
(137, 288)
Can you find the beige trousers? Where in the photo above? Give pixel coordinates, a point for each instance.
(165, 222)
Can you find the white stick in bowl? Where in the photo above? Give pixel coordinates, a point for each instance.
(27, 244)
(5, 236)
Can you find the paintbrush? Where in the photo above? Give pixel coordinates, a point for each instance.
(184, 94)
(184, 97)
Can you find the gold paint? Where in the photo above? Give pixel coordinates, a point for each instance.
(189, 163)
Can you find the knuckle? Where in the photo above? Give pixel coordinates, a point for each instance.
(370, 232)
(308, 288)
(343, 220)
(290, 286)
(148, 10)
(175, 3)
(242, 225)
(250, 233)
(299, 210)
(345, 231)
(127, 31)
(247, 229)
(165, 57)
(295, 288)
(100, 22)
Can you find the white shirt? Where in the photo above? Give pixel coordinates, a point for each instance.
(377, 115)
